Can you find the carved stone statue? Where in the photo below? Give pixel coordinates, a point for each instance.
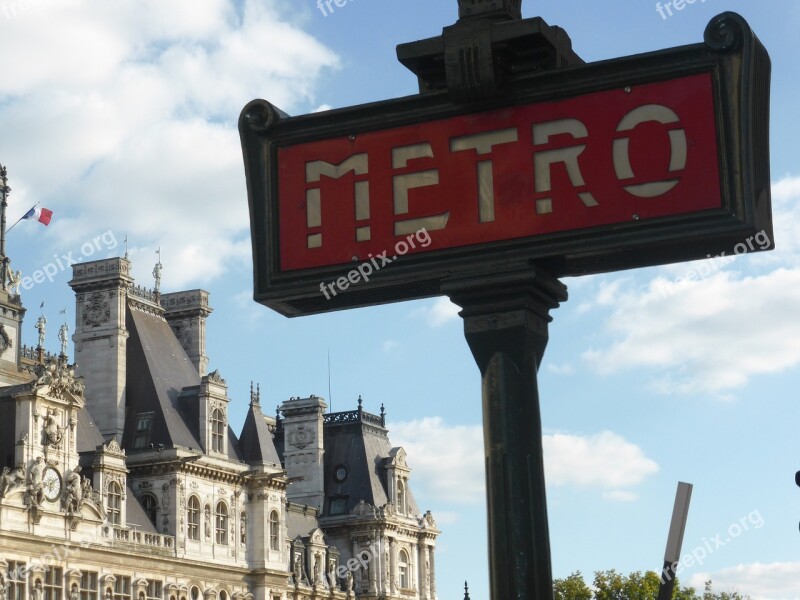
(36, 592)
(11, 479)
(3, 585)
(74, 498)
(35, 485)
(348, 581)
(243, 530)
(14, 280)
(207, 516)
(157, 272)
(298, 569)
(52, 432)
(63, 337)
(41, 326)
(74, 594)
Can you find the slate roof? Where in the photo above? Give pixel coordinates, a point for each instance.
(157, 370)
(88, 437)
(136, 517)
(359, 443)
(256, 443)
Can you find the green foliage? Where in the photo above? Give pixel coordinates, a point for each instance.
(610, 585)
(572, 588)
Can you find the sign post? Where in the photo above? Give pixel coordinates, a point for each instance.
(677, 527)
(516, 164)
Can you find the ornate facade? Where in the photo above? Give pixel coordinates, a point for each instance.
(124, 480)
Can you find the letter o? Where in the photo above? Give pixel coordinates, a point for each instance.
(678, 149)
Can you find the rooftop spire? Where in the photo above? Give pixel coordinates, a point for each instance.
(466, 591)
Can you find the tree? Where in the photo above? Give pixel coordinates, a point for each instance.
(572, 588)
(610, 585)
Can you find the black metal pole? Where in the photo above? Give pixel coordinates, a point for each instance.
(4, 189)
(505, 324)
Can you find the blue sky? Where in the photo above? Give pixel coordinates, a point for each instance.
(121, 117)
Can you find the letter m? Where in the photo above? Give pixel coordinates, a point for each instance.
(359, 165)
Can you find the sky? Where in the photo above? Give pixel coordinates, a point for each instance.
(120, 117)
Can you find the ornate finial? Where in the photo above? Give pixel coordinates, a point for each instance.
(157, 272)
(383, 415)
(252, 393)
(277, 412)
(466, 591)
(360, 401)
(258, 393)
(126, 246)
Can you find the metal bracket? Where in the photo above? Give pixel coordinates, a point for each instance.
(488, 49)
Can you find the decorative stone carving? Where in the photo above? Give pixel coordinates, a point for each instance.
(5, 340)
(11, 480)
(97, 311)
(215, 377)
(301, 437)
(60, 377)
(112, 447)
(73, 496)
(53, 433)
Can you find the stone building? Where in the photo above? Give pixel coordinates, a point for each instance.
(123, 479)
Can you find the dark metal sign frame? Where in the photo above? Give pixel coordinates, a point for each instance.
(740, 70)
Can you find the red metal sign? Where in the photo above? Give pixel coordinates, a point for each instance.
(605, 158)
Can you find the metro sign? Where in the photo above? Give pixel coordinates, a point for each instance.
(631, 162)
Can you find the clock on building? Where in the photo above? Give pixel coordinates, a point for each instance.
(51, 482)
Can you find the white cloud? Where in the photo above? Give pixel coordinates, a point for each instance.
(389, 345)
(705, 327)
(448, 461)
(124, 117)
(438, 312)
(565, 369)
(605, 461)
(761, 581)
(712, 336)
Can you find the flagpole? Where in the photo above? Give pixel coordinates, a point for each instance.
(4, 189)
(22, 217)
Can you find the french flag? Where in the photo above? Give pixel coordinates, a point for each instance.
(43, 215)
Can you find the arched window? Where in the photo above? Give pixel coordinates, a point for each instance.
(274, 531)
(193, 519)
(222, 523)
(217, 431)
(404, 570)
(114, 503)
(150, 506)
(401, 497)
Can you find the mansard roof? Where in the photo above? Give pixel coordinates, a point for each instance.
(157, 370)
(88, 436)
(256, 441)
(359, 441)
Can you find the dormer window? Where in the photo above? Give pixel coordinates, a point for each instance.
(217, 431)
(144, 424)
(402, 505)
(114, 501)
